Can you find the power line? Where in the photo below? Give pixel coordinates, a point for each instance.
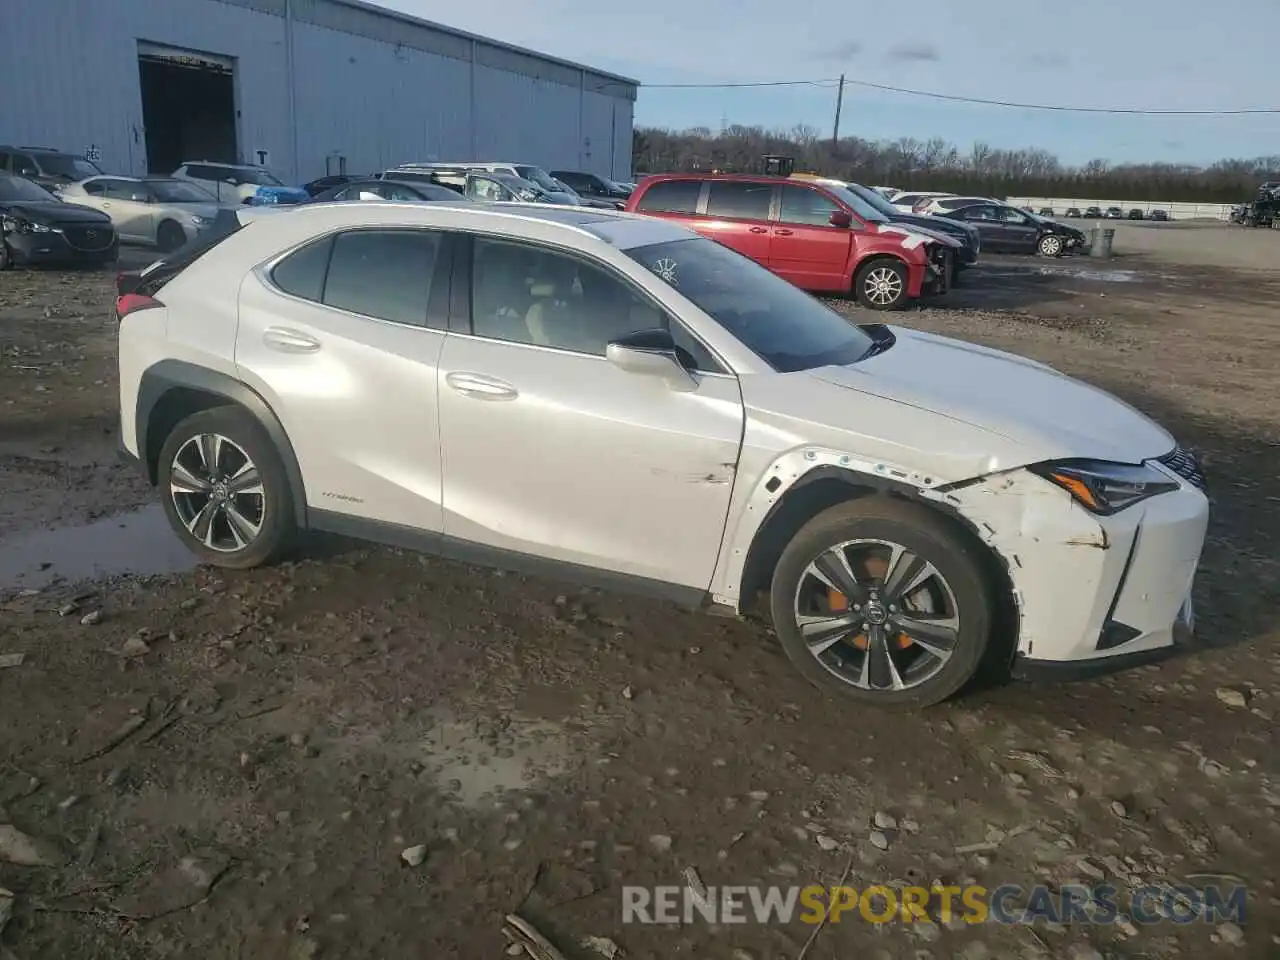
(955, 98)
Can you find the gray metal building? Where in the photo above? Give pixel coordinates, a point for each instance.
(307, 87)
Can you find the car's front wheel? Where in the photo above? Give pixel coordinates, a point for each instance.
(884, 602)
(1050, 246)
(226, 492)
(881, 285)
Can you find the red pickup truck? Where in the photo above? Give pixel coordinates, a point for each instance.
(819, 236)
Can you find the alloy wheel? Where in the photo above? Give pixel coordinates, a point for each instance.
(877, 616)
(1050, 246)
(217, 492)
(882, 286)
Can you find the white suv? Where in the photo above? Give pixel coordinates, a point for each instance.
(619, 400)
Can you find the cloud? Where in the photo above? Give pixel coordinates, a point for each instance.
(914, 52)
(1050, 60)
(845, 50)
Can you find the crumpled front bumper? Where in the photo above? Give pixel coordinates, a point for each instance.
(1094, 594)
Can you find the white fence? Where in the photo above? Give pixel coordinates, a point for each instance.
(1176, 211)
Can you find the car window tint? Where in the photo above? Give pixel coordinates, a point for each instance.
(1012, 216)
(95, 188)
(383, 273)
(23, 164)
(743, 201)
(671, 196)
(125, 190)
(399, 193)
(527, 294)
(805, 205)
(302, 272)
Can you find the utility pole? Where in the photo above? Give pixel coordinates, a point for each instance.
(835, 130)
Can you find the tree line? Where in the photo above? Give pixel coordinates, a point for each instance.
(935, 164)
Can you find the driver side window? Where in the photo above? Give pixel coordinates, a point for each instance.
(527, 294)
(1009, 215)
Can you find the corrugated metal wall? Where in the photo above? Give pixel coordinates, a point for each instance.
(373, 89)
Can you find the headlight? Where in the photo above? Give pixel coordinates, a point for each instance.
(1106, 488)
(19, 225)
(200, 221)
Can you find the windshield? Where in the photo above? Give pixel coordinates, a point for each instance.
(176, 191)
(19, 188)
(71, 168)
(874, 198)
(778, 322)
(256, 175)
(524, 189)
(855, 203)
(541, 178)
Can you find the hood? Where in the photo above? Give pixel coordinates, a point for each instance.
(914, 236)
(1049, 415)
(55, 212)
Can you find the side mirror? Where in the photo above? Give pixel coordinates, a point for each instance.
(840, 218)
(651, 353)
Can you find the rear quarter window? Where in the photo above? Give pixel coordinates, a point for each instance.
(302, 273)
(671, 196)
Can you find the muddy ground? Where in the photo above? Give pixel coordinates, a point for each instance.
(230, 766)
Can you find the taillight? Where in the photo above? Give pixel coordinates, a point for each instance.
(133, 302)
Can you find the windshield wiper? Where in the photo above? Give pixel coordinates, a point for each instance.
(882, 339)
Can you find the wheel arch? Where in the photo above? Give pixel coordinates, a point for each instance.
(172, 390)
(825, 486)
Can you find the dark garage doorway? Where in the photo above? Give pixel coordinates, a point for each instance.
(188, 107)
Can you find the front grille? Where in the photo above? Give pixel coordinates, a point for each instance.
(90, 239)
(1184, 464)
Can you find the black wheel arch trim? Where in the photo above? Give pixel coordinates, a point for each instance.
(167, 375)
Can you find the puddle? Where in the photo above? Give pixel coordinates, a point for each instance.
(1103, 276)
(475, 766)
(139, 542)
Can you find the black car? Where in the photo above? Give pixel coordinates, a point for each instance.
(1162, 215)
(593, 187)
(380, 189)
(1073, 212)
(45, 166)
(1010, 230)
(1093, 212)
(37, 228)
(1136, 214)
(970, 238)
(1046, 211)
(323, 184)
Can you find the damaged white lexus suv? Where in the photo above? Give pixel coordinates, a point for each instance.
(613, 399)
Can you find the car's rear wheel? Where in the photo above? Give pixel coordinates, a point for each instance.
(881, 285)
(170, 236)
(226, 492)
(1050, 246)
(884, 602)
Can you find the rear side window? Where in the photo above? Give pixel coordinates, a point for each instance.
(301, 274)
(671, 196)
(383, 273)
(743, 201)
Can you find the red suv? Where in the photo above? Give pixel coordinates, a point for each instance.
(819, 236)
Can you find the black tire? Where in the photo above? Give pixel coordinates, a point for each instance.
(876, 273)
(1051, 245)
(278, 528)
(931, 538)
(170, 236)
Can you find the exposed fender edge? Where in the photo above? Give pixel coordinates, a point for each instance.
(789, 471)
(166, 375)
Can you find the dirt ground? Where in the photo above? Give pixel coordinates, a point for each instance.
(230, 766)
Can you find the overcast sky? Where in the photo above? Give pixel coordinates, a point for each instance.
(1171, 54)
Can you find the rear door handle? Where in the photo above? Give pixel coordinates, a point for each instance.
(480, 387)
(759, 229)
(289, 341)
(782, 233)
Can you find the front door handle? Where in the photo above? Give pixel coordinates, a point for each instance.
(783, 232)
(480, 387)
(759, 229)
(289, 341)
